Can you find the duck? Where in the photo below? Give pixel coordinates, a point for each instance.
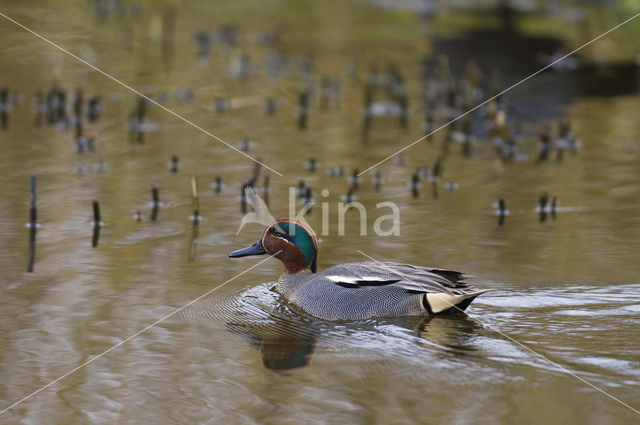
(356, 291)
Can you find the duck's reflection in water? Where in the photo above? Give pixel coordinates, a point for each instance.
(287, 343)
(283, 344)
(454, 331)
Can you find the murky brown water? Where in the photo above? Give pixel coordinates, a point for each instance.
(568, 288)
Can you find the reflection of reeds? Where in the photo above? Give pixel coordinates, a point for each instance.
(192, 242)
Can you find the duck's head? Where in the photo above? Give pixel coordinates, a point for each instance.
(291, 241)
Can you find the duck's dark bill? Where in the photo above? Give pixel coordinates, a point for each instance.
(255, 249)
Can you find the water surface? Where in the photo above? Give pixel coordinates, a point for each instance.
(566, 288)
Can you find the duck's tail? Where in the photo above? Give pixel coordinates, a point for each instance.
(442, 303)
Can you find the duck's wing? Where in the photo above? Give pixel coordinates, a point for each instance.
(413, 279)
(440, 290)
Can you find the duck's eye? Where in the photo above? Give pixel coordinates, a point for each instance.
(276, 232)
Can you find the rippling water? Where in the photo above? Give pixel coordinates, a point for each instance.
(567, 289)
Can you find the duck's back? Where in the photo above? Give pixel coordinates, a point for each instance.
(358, 291)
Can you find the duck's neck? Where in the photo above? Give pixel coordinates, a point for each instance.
(299, 266)
(286, 276)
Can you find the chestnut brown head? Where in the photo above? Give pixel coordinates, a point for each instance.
(291, 241)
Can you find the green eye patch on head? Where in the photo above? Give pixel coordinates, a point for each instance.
(298, 235)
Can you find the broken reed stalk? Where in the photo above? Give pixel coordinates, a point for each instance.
(33, 212)
(436, 172)
(4, 108)
(366, 122)
(217, 185)
(155, 202)
(175, 163)
(97, 223)
(33, 225)
(303, 110)
(415, 184)
(544, 200)
(195, 199)
(502, 211)
(96, 214)
(270, 106)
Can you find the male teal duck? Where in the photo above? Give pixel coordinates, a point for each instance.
(356, 291)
